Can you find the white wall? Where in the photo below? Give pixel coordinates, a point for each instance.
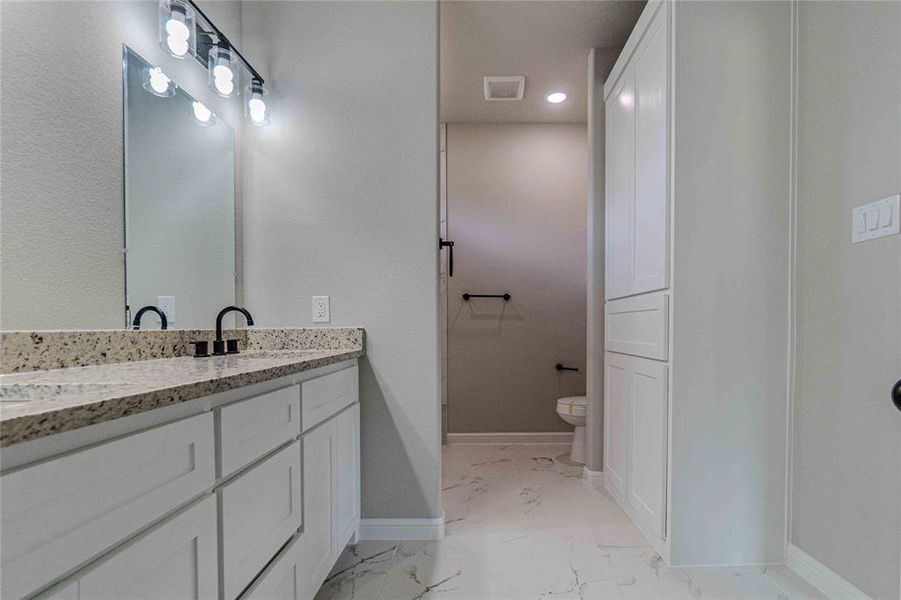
(61, 153)
(342, 200)
(846, 489)
(516, 205)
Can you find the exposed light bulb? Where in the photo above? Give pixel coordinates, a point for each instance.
(203, 114)
(257, 109)
(223, 79)
(177, 32)
(159, 82)
(556, 97)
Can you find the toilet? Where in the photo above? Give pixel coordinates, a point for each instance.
(572, 409)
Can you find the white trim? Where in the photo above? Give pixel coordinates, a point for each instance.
(638, 32)
(792, 334)
(401, 529)
(548, 437)
(821, 577)
(593, 479)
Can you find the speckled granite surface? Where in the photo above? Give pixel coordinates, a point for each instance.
(24, 351)
(41, 403)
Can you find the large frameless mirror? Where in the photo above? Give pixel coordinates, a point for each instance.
(179, 201)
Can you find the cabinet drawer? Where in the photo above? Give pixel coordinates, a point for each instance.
(59, 514)
(638, 326)
(178, 560)
(253, 427)
(261, 510)
(327, 395)
(281, 580)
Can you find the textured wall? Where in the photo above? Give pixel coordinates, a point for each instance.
(342, 194)
(61, 201)
(847, 448)
(516, 212)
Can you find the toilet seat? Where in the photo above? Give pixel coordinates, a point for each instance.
(573, 405)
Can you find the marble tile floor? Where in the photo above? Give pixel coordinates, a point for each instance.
(523, 524)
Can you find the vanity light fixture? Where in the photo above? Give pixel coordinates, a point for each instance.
(255, 107)
(556, 97)
(223, 65)
(177, 33)
(158, 83)
(186, 29)
(204, 116)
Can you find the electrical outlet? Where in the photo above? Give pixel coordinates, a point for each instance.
(167, 305)
(320, 309)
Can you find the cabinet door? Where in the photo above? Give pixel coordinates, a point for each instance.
(647, 472)
(281, 579)
(316, 543)
(616, 421)
(347, 509)
(650, 268)
(261, 510)
(619, 187)
(58, 514)
(177, 560)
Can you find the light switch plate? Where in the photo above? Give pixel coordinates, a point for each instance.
(876, 219)
(167, 305)
(321, 309)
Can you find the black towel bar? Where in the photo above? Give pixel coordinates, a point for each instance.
(506, 297)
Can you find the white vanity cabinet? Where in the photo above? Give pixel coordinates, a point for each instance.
(254, 496)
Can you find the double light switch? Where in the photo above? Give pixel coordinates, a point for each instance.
(876, 219)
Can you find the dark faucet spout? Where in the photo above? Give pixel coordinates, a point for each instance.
(224, 312)
(136, 324)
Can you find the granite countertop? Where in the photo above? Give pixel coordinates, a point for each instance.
(41, 403)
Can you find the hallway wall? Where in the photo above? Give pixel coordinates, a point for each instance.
(342, 193)
(846, 467)
(516, 211)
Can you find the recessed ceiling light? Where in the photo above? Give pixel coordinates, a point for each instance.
(556, 97)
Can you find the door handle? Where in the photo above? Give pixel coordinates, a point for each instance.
(896, 394)
(443, 243)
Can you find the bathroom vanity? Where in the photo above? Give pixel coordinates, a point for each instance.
(220, 477)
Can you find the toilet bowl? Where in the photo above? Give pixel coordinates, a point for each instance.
(572, 409)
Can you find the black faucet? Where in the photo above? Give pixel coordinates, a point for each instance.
(164, 323)
(219, 345)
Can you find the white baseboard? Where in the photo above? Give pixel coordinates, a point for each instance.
(549, 437)
(401, 529)
(820, 576)
(594, 479)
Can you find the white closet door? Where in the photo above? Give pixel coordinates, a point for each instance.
(616, 421)
(620, 171)
(647, 464)
(650, 233)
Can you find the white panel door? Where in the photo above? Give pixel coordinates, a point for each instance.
(619, 187)
(647, 464)
(616, 421)
(261, 510)
(177, 560)
(347, 508)
(316, 555)
(650, 232)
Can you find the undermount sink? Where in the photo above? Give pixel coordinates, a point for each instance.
(25, 392)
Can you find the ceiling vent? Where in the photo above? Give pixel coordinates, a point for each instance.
(504, 88)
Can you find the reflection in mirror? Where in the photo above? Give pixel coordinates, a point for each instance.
(179, 201)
